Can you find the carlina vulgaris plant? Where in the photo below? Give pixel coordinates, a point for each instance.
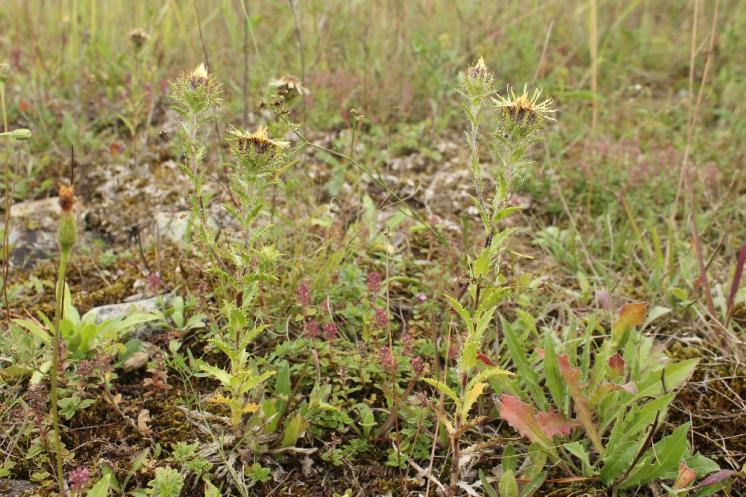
(518, 121)
(66, 238)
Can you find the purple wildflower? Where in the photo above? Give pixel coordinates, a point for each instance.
(79, 478)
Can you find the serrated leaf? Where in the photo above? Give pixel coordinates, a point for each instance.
(472, 395)
(445, 389)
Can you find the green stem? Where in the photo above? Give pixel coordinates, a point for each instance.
(56, 338)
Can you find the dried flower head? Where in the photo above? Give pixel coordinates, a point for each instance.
(199, 77)
(67, 198)
(256, 143)
(138, 38)
(525, 109)
(289, 87)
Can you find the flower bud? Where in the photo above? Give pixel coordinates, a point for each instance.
(18, 134)
(67, 232)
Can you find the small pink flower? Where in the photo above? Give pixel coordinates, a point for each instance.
(381, 318)
(418, 365)
(330, 329)
(304, 294)
(374, 282)
(388, 362)
(407, 344)
(421, 298)
(79, 478)
(312, 328)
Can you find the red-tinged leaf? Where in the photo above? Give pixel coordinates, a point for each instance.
(685, 477)
(522, 417)
(715, 477)
(630, 315)
(485, 359)
(616, 363)
(554, 423)
(571, 375)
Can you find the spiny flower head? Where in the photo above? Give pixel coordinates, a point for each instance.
(199, 77)
(525, 109)
(480, 72)
(256, 143)
(476, 82)
(196, 93)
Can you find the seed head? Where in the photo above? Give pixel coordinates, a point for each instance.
(524, 109)
(138, 37)
(67, 198)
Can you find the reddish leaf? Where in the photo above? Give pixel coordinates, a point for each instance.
(685, 477)
(715, 477)
(539, 427)
(571, 375)
(630, 315)
(522, 417)
(485, 359)
(616, 363)
(554, 423)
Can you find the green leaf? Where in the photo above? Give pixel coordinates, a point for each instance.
(293, 430)
(101, 488)
(663, 457)
(445, 389)
(211, 490)
(552, 375)
(508, 486)
(523, 369)
(465, 316)
(472, 395)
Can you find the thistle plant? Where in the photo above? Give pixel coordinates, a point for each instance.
(517, 123)
(241, 261)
